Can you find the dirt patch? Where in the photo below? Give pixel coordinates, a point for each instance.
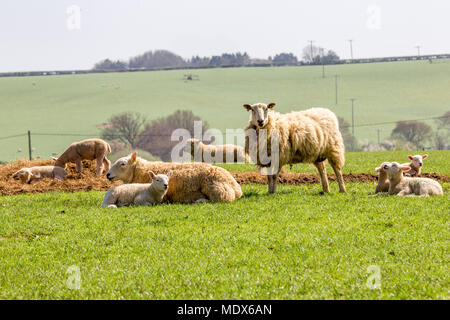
(87, 180)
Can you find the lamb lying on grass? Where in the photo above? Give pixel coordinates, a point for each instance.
(407, 186)
(415, 164)
(143, 194)
(90, 149)
(29, 175)
(189, 183)
(383, 179)
(227, 153)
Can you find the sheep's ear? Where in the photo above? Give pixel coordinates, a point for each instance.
(378, 169)
(133, 156)
(424, 156)
(152, 174)
(405, 168)
(54, 159)
(169, 174)
(271, 105)
(410, 158)
(248, 107)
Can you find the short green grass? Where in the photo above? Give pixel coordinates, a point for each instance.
(76, 103)
(358, 162)
(296, 244)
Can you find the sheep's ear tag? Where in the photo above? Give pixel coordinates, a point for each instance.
(248, 107)
(271, 105)
(424, 156)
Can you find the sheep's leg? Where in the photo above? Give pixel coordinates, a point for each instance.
(78, 164)
(338, 172)
(323, 175)
(99, 163)
(107, 164)
(272, 182)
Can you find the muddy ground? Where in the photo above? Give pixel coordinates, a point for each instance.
(87, 180)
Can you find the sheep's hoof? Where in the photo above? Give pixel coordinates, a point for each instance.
(202, 200)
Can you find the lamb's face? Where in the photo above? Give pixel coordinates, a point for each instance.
(160, 181)
(23, 175)
(395, 169)
(417, 160)
(122, 169)
(383, 167)
(259, 113)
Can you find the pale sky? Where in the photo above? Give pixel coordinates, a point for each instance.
(44, 35)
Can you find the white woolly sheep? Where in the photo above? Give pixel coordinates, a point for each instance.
(29, 175)
(310, 136)
(383, 179)
(143, 194)
(415, 164)
(207, 152)
(89, 149)
(189, 183)
(407, 186)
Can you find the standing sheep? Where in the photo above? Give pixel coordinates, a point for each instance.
(90, 149)
(189, 183)
(227, 152)
(310, 136)
(415, 164)
(407, 186)
(29, 175)
(143, 194)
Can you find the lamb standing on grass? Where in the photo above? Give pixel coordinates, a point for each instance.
(415, 164)
(383, 179)
(189, 183)
(143, 194)
(310, 136)
(229, 152)
(406, 186)
(90, 149)
(29, 175)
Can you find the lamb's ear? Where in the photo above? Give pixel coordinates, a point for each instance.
(405, 168)
(271, 105)
(410, 157)
(151, 174)
(248, 107)
(54, 159)
(133, 156)
(378, 169)
(424, 156)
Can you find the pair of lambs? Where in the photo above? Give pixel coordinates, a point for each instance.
(398, 184)
(310, 136)
(188, 183)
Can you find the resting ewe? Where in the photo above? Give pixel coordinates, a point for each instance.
(143, 194)
(310, 136)
(190, 182)
(208, 153)
(29, 175)
(406, 186)
(415, 164)
(90, 149)
(383, 179)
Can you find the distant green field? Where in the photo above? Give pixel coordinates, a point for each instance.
(76, 103)
(295, 244)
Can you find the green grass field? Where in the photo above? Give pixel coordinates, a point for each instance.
(76, 103)
(296, 244)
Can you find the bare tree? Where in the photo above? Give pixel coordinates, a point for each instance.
(442, 134)
(125, 127)
(350, 142)
(418, 133)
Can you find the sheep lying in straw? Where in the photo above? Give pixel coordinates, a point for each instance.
(143, 194)
(190, 182)
(407, 186)
(211, 153)
(29, 175)
(383, 179)
(90, 149)
(415, 164)
(310, 136)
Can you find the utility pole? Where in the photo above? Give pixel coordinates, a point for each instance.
(336, 87)
(312, 55)
(29, 144)
(351, 48)
(418, 50)
(323, 64)
(378, 134)
(353, 116)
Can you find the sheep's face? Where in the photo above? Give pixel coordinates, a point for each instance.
(23, 175)
(259, 113)
(159, 181)
(394, 169)
(122, 169)
(417, 160)
(383, 167)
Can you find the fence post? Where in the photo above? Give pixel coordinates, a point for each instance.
(29, 144)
